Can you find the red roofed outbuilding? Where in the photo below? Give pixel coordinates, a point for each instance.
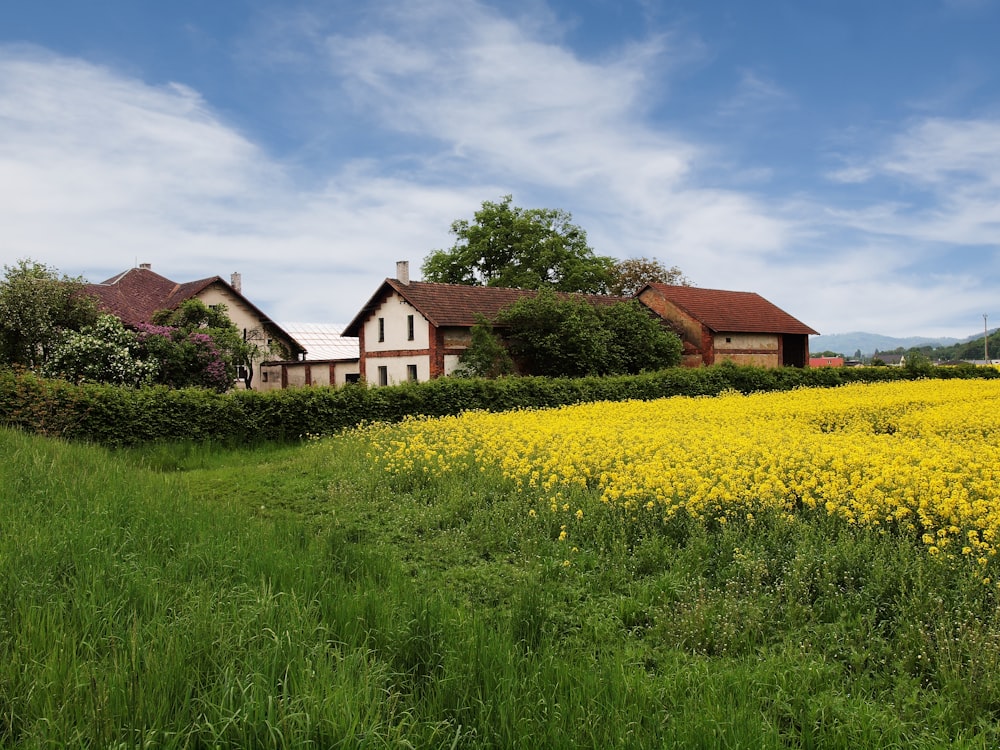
(741, 327)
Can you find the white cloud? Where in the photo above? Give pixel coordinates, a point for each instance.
(99, 170)
(951, 168)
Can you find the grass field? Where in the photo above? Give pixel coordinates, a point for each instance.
(331, 594)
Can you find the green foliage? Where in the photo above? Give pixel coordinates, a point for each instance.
(197, 346)
(555, 336)
(638, 340)
(486, 356)
(186, 359)
(563, 336)
(193, 314)
(105, 352)
(180, 596)
(117, 416)
(508, 246)
(918, 364)
(37, 306)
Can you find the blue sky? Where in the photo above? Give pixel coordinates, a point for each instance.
(840, 158)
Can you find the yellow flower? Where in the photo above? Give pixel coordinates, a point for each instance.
(916, 457)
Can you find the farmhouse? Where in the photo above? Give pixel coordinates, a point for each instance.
(741, 327)
(134, 295)
(416, 331)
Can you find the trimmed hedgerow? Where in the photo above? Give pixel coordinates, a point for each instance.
(118, 416)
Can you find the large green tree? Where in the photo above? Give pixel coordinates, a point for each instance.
(555, 336)
(522, 248)
(37, 306)
(638, 339)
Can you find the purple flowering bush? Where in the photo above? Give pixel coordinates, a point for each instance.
(186, 358)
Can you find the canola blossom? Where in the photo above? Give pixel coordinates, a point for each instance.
(922, 457)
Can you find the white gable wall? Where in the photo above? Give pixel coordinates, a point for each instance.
(397, 352)
(394, 312)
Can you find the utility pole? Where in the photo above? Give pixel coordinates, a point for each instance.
(986, 341)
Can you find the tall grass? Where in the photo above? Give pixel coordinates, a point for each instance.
(189, 596)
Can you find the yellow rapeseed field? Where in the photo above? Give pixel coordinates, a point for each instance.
(922, 457)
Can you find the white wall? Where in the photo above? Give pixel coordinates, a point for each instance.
(394, 312)
(396, 368)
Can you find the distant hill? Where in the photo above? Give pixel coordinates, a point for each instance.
(868, 343)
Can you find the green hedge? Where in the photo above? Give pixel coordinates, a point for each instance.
(119, 416)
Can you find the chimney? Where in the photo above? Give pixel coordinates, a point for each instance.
(236, 282)
(146, 266)
(403, 271)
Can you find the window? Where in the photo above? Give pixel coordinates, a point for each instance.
(263, 376)
(383, 375)
(409, 328)
(411, 372)
(352, 377)
(729, 340)
(381, 329)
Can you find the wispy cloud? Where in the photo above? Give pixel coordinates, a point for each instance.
(755, 94)
(447, 105)
(951, 169)
(131, 171)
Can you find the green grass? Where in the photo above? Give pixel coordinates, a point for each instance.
(191, 596)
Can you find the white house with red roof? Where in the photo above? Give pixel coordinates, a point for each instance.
(416, 331)
(134, 295)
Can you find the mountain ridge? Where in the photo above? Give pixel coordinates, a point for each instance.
(868, 343)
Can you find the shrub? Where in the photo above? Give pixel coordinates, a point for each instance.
(115, 415)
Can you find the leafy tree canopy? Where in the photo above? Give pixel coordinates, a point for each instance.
(486, 355)
(508, 246)
(238, 350)
(639, 340)
(627, 277)
(37, 306)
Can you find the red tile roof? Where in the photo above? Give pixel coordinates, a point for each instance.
(454, 304)
(133, 296)
(137, 293)
(737, 312)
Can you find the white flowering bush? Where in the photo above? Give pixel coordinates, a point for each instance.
(105, 352)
